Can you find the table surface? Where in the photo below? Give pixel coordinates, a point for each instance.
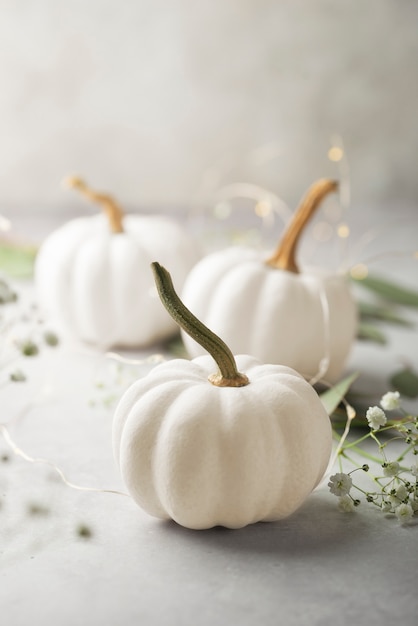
(319, 566)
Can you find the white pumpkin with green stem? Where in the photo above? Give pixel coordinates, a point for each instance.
(268, 307)
(225, 449)
(92, 274)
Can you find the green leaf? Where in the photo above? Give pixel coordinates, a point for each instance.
(16, 260)
(331, 398)
(369, 332)
(6, 294)
(176, 348)
(389, 291)
(406, 382)
(376, 311)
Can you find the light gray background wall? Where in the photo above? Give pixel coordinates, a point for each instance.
(145, 97)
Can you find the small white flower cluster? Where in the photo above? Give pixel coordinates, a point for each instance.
(404, 512)
(376, 417)
(390, 401)
(340, 485)
(402, 501)
(391, 469)
(397, 492)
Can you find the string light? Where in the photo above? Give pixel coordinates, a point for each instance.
(17, 451)
(360, 246)
(38, 460)
(391, 254)
(343, 231)
(359, 271)
(153, 359)
(335, 154)
(325, 361)
(262, 198)
(5, 224)
(263, 208)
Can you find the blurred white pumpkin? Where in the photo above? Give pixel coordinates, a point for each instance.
(93, 276)
(306, 319)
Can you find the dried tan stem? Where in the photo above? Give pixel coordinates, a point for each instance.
(110, 207)
(285, 255)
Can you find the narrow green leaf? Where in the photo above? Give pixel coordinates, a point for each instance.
(388, 290)
(369, 332)
(406, 382)
(17, 261)
(331, 398)
(376, 311)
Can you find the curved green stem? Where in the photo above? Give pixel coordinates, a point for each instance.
(228, 375)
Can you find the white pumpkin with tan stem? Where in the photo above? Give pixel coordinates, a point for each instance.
(92, 274)
(225, 449)
(269, 308)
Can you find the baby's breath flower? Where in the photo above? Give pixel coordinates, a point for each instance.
(391, 469)
(402, 492)
(394, 501)
(414, 505)
(375, 417)
(390, 401)
(387, 507)
(345, 504)
(340, 484)
(404, 513)
(414, 470)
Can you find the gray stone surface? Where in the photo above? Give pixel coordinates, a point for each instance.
(318, 567)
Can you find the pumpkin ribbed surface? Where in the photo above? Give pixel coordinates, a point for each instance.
(275, 315)
(207, 456)
(98, 285)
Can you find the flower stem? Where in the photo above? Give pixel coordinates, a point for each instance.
(285, 255)
(362, 453)
(228, 375)
(356, 442)
(405, 452)
(110, 207)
